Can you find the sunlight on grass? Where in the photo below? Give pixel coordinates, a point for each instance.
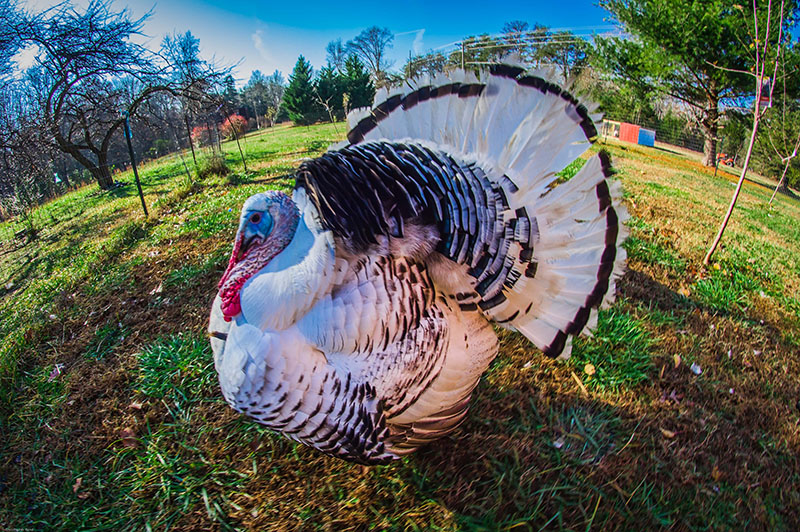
(619, 350)
(135, 413)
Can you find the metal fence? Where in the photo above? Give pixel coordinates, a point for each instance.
(17, 229)
(680, 134)
(665, 132)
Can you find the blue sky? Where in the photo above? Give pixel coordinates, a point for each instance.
(271, 35)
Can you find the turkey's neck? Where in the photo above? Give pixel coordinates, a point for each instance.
(288, 286)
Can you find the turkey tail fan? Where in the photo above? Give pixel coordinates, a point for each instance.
(478, 156)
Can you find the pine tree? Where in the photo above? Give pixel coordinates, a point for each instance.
(230, 94)
(299, 99)
(330, 89)
(358, 84)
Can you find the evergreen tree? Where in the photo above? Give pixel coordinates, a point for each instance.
(299, 99)
(695, 52)
(330, 88)
(230, 94)
(358, 85)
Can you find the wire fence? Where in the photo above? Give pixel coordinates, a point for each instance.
(674, 132)
(18, 229)
(666, 132)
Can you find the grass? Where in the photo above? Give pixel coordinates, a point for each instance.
(619, 351)
(130, 433)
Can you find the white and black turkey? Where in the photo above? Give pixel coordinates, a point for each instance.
(355, 316)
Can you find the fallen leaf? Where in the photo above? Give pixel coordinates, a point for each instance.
(715, 474)
(589, 369)
(128, 437)
(55, 373)
(558, 443)
(677, 360)
(696, 369)
(135, 405)
(83, 495)
(684, 292)
(580, 384)
(667, 433)
(77, 485)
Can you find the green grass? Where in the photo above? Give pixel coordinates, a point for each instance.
(652, 253)
(177, 369)
(106, 338)
(120, 304)
(619, 350)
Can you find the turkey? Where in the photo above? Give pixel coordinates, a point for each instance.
(356, 315)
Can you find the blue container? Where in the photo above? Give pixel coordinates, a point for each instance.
(647, 137)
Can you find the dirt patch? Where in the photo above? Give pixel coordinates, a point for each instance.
(99, 393)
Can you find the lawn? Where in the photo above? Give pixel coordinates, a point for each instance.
(682, 410)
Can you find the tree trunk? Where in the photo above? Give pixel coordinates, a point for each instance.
(710, 148)
(103, 177)
(710, 126)
(756, 117)
(191, 142)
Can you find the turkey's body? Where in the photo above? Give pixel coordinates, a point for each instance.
(367, 326)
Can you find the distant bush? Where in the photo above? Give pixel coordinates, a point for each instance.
(160, 148)
(213, 165)
(202, 135)
(234, 126)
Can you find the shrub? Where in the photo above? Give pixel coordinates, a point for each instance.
(234, 126)
(213, 165)
(202, 135)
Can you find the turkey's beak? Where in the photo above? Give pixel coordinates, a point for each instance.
(248, 242)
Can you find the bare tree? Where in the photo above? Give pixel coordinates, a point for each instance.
(88, 72)
(763, 46)
(26, 159)
(336, 55)
(194, 76)
(276, 86)
(9, 43)
(787, 160)
(370, 46)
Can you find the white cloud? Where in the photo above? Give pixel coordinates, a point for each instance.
(25, 58)
(417, 45)
(258, 42)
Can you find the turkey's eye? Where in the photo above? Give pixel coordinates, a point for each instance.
(255, 218)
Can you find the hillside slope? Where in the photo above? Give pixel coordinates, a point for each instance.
(680, 412)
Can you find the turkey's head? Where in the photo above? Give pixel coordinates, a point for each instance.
(267, 225)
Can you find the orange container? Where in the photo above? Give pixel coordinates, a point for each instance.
(629, 132)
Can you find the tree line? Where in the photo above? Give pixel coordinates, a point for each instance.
(681, 63)
(62, 117)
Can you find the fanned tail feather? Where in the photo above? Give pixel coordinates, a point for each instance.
(559, 247)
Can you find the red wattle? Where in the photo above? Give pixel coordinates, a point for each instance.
(231, 306)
